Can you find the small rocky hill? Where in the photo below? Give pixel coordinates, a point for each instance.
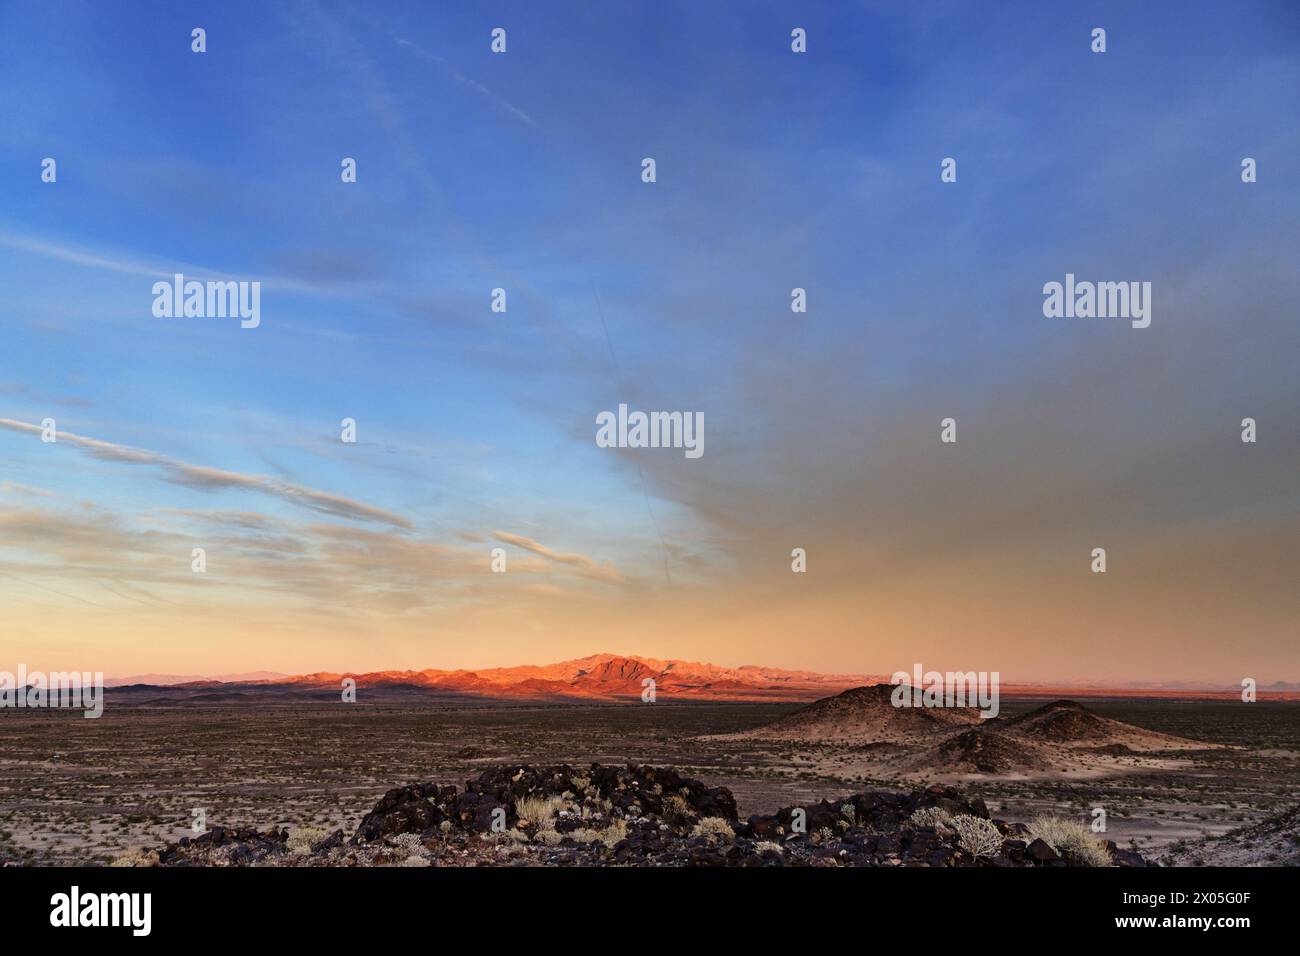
(919, 742)
(1069, 723)
(865, 714)
(1063, 734)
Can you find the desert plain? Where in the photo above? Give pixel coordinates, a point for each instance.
(1208, 782)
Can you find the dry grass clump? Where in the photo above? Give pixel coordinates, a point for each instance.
(609, 836)
(676, 809)
(713, 826)
(136, 858)
(1071, 838)
(538, 810)
(301, 839)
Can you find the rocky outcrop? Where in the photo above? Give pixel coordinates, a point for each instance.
(221, 846)
(638, 816)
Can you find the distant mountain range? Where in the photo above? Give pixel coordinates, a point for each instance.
(165, 680)
(595, 678)
(599, 677)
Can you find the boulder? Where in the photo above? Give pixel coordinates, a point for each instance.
(1041, 852)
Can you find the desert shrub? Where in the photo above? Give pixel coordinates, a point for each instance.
(1072, 839)
(713, 826)
(410, 842)
(977, 836)
(677, 810)
(538, 810)
(301, 839)
(613, 833)
(931, 817)
(548, 836)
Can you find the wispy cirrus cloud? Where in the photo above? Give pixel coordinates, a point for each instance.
(473, 84)
(213, 479)
(588, 566)
(16, 488)
(305, 278)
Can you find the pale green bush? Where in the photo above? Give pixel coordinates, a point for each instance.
(977, 836)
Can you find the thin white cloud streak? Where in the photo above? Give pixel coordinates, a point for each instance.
(468, 81)
(203, 477)
(16, 488)
(605, 572)
(148, 268)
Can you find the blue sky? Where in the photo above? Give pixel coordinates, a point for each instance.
(775, 170)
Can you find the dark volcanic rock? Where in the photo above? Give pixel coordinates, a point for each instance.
(625, 816)
(223, 846)
(1127, 858)
(329, 843)
(412, 809)
(1041, 852)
